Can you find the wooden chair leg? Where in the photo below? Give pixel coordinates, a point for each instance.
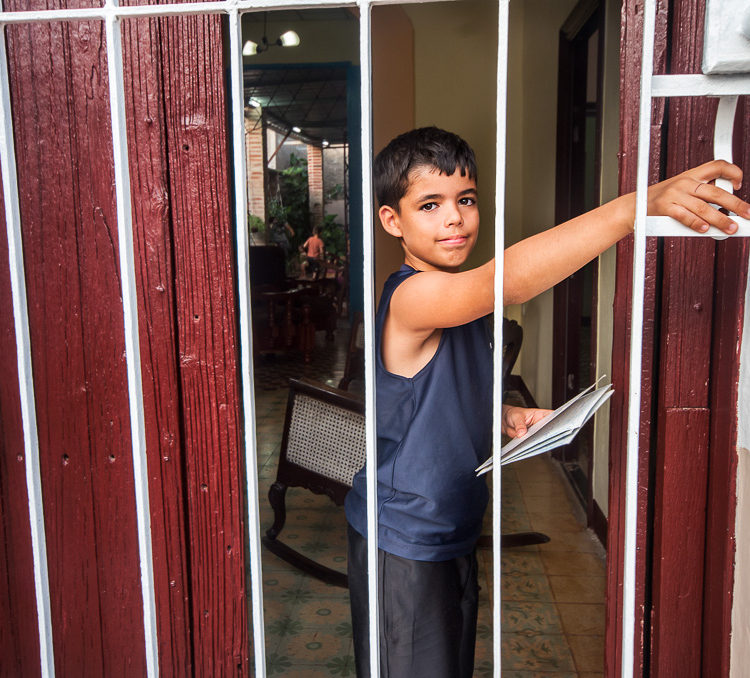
(277, 499)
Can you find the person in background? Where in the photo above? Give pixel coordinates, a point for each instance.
(280, 232)
(314, 250)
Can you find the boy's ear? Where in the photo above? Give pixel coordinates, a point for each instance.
(390, 220)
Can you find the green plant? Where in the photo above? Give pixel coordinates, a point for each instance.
(333, 236)
(294, 195)
(255, 224)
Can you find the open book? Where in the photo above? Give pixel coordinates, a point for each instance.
(556, 429)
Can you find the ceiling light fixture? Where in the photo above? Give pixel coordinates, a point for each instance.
(286, 39)
(296, 129)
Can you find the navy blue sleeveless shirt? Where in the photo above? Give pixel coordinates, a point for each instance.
(433, 430)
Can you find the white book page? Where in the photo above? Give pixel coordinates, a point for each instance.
(556, 429)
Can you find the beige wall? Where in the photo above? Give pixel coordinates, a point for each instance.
(392, 108)
(320, 41)
(455, 66)
(740, 641)
(533, 120)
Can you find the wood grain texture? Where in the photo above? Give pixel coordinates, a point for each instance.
(703, 301)
(63, 141)
(177, 137)
(205, 304)
(19, 640)
(630, 64)
(679, 542)
(154, 246)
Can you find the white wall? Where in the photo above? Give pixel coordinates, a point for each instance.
(740, 642)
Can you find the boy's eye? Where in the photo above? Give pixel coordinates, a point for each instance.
(467, 201)
(429, 206)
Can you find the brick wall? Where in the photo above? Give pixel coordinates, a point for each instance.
(254, 159)
(315, 183)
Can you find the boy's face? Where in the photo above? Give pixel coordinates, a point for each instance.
(437, 221)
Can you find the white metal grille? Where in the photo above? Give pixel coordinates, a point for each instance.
(112, 14)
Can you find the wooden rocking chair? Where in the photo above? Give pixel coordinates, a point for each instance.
(322, 447)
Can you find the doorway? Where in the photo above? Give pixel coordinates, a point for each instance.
(577, 191)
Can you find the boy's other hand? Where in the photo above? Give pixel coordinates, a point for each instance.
(686, 197)
(517, 420)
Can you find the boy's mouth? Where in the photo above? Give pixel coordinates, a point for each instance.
(453, 240)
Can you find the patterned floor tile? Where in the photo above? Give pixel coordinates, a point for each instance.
(537, 653)
(527, 587)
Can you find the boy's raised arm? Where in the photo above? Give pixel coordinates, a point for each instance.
(543, 260)
(435, 299)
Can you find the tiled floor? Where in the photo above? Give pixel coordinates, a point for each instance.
(552, 597)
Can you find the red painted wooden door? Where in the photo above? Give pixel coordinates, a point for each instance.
(694, 300)
(177, 138)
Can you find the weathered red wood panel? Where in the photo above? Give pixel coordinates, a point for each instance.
(731, 279)
(62, 135)
(679, 542)
(149, 172)
(176, 112)
(691, 289)
(19, 641)
(630, 65)
(207, 339)
(701, 281)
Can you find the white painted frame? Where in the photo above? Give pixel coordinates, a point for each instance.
(654, 86)
(112, 14)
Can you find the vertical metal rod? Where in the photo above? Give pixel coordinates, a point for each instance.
(25, 370)
(497, 396)
(723, 132)
(132, 346)
(247, 377)
(636, 345)
(365, 62)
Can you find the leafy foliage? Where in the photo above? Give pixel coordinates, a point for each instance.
(333, 236)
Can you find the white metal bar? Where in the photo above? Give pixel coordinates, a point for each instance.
(699, 85)
(497, 367)
(132, 346)
(368, 242)
(25, 370)
(636, 344)
(178, 8)
(247, 377)
(723, 132)
(668, 227)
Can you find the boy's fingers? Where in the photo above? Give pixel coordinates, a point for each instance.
(686, 217)
(719, 196)
(698, 214)
(716, 169)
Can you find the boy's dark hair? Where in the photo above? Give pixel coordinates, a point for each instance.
(426, 146)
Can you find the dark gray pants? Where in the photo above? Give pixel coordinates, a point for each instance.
(428, 614)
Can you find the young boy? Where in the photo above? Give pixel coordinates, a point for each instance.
(314, 249)
(434, 387)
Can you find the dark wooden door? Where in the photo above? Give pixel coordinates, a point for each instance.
(576, 192)
(693, 314)
(176, 111)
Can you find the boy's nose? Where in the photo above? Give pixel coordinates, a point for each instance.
(453, 216)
